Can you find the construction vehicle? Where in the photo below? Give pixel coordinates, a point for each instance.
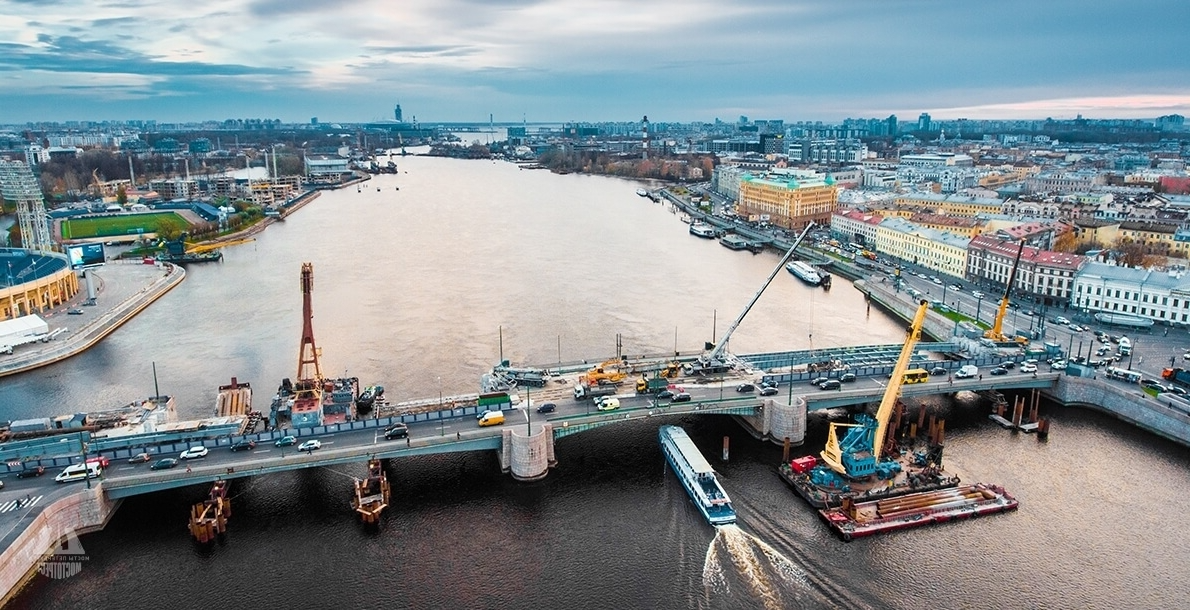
(1179, 376)
(584, 390)
(713, 362)
(657, 383)
(996, 332)
(609, 371)
(858, 455)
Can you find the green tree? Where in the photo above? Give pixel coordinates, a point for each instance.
(121, 195)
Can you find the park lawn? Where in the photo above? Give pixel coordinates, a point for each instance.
(124, 224)
(958, 317)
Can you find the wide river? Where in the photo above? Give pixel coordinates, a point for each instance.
(418, 276)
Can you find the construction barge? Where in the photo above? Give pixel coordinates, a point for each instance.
(858, 519)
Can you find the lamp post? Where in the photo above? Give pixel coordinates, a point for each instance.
(441, 422)
(86, 471)
(978, 306)
(528, 413)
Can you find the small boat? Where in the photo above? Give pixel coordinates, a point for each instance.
(642, 192)
(804, 272)
(696, 475)
(702, 229)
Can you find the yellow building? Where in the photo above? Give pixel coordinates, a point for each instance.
(958, 225)
(953, 205)
(789, 198)
(937, 250)
(38, 281)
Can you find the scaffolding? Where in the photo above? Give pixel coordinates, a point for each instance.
(18, 185)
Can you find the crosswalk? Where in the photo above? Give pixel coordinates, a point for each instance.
(22, 503)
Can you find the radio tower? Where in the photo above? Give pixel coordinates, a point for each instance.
(18, 185)
(645, 131)
(311, 358)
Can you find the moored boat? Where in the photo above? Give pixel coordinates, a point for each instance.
(702, 229)
(858, 519)
(696, 475)
(804, 272)
(642, 192)
(732, 241)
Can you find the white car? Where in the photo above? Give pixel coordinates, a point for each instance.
(194, 452)
(310, 445)
(609, 404)
(1028, 368)
(977, 294)
(1058, 365)
(1186, 356)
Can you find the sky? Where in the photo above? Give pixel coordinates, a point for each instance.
(591, 60)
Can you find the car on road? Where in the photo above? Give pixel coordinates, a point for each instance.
(768, 384)
(197, 451)
(1061, 320)
(769, 391)
(1173, 389)
(245, 444)
(999, 371)
(680, 397)
(547, 407)
(831, 384)
(30, 472)
(977, 294)
(1058, 365)
(74, 312)
(956, 287)
(310, 445)
(819, 380)
(847, 377)
(745, 387)
(608, 404)
(139, 458)
(163, 464)
(664, 394)
(286, 441)
(938, 370)
(397, 430)
(1186, 356)
(1028, 368)
(1008, 365)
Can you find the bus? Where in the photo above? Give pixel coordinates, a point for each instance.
(916, 376)
(80, 472)
(1123, 374)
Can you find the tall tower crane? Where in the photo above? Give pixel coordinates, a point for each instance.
(858, 454)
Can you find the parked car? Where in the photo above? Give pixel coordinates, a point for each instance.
(680, 397)
(30, 472)
(164, 463)
(397, 430)
(769, 391)
(745, 387)
(999, 371)
(831, 384)
(847, 377)
(139, 458)
(244, 444)
(310, 445)
(286, 441)
(547, 407)
(197, 451)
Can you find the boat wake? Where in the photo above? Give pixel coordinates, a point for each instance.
(737, 558)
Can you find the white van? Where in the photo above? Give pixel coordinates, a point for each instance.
(966, 371)
(80, 472)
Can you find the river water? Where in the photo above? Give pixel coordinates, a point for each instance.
(417, 278)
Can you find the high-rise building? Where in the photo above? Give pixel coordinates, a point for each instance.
(923, 122)
(892, 124)
(397, 113)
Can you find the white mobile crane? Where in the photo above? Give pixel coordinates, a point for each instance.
(858, 454)
(712, 361)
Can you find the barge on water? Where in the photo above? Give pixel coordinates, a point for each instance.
(859, 519)
(731, 241)
(696, 475)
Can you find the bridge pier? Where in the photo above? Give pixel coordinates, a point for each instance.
(779, 421)
(527, 457)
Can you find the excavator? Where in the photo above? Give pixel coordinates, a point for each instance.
(609, 371)
(996, 332)
(858, 455)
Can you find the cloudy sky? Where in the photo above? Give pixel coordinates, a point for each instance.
(591, 60)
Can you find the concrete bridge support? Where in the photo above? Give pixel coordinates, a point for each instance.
(783, 420)
(527, 457)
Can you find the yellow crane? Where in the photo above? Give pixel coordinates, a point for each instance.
(996, 332)
(858, 454)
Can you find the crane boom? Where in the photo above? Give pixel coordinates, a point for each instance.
(717, 351)
(858, 454)
(996, 332)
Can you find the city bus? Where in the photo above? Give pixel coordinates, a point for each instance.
(916, 376)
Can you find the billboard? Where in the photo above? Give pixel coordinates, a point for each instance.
(85, 255)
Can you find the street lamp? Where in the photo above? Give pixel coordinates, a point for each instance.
(441, 422)
(978, 306)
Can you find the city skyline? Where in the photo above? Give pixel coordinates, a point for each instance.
(555, 61)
